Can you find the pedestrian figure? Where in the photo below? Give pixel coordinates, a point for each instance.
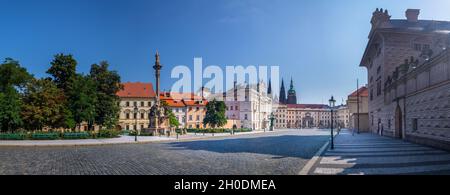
(378, 129)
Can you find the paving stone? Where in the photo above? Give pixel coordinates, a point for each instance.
(283, 152)
(374, 155)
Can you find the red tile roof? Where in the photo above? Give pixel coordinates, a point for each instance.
(179, 96)
(174, 103)
(363, 92)
(195, 102)
(137, 90)
(306, 106)
(182, 99)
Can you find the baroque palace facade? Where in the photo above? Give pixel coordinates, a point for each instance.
(140, 95)
(291, 115)
(408, 63)
(188, 108)
(248, 105)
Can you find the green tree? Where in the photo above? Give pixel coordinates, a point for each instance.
(68, 121)
(63, 71)
(107, 84)
(13, 79)
(82, 100)
(215, 114)
(13, 75)
(173, 121)
(44, 105)
(10, 105)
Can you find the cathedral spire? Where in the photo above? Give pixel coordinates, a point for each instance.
(269, 90)
(282, 93)
(258, 87)
(292, 95)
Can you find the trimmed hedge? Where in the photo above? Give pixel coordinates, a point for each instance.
(108, 134)
(13, 136)
(59, 135)
(243, 130)
(180, 131)
(217, 130)
(76, 135)
(45, 136)
(100, 134)
(133, 133)
(126, 132)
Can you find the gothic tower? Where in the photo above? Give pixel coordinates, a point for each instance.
(292, 95)
(269, 90)
(282, 93)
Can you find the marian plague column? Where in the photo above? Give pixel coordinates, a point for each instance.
(157, 119)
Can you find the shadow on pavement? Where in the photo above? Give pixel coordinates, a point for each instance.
(278, 146)
(371, 154)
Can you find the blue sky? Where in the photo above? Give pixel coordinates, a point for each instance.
(319, 43)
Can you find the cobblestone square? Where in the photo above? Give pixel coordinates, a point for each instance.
(283, 152)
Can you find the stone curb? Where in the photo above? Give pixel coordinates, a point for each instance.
(123, 143)
(310, 164)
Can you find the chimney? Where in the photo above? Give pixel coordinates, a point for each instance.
(380, 17)
(412, 15)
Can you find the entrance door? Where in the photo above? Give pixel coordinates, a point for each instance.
(308, 122)
(399, 123)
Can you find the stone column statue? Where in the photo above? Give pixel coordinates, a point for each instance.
(157, 112)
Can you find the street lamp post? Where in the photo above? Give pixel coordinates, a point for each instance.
(136, 110)
(198, 125)
(184, 124)
(234, 124)
(332, 103)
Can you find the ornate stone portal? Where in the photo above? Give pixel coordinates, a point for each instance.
(158, 119)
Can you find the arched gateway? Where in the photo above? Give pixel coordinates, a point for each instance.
(398, 123)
